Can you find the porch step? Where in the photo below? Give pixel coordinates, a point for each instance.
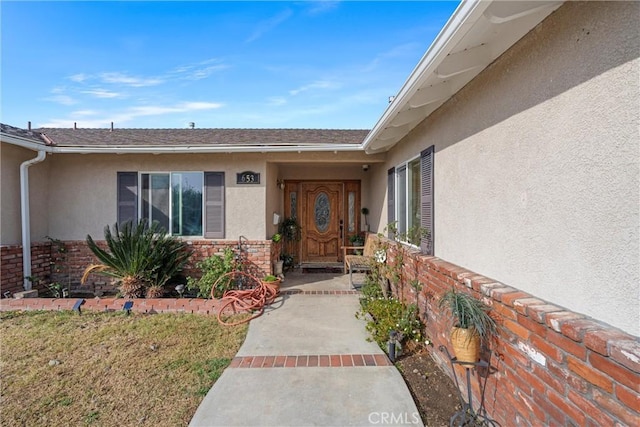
(322, 267)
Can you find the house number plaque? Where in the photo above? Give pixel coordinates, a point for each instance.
(248, 177)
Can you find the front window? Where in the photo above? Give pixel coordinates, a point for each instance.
(408, 201)
(186, 203)
(174, 200)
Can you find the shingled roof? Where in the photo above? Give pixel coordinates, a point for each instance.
(29, 135)
(201, 137)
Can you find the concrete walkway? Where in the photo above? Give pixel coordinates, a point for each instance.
(307, 362)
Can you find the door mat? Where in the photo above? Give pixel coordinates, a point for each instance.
(322, 269)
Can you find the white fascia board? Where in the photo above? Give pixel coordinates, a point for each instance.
(458, 25)
(23, 142)
(188, 149)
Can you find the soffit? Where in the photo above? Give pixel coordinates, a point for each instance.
(477, 33)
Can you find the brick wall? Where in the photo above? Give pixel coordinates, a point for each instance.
(140, 305)
(11, 278)
(66, 266)
(255, 253)
(552, 366)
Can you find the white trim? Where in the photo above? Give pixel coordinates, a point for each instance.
(178, 149)
(23, 142)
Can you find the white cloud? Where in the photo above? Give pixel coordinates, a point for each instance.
(58, 89)
(319, 7)
(203, 73)
(83, 113)
(182, 107)
(78, 78)
(59, 123)
(189, 106)
(198, 71)
(269, 24)
(102, 93)
(121, 78)
(61, 99)
(321, 84)
(276, 101)
(130, 113)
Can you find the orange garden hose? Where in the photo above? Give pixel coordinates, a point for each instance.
(252, 299)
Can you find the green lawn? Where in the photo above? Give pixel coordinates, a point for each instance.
(109, 369)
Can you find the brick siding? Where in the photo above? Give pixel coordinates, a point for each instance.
(552, 366)
(11, 278)
(50, 264)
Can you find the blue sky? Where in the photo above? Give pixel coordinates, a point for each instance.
(240, 64)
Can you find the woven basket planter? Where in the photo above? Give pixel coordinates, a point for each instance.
(466, 344)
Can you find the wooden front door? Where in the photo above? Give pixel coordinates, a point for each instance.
(322, 213)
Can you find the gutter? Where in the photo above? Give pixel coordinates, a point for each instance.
(128, 149)
(25, 216)
(205, 149)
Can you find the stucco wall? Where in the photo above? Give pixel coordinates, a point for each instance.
(537, 165)
(273, 199)
(11, 157)
(82, 191)
(376, 189)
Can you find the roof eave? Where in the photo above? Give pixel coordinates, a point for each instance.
(466, 12)
(23, 142)
(127, 149)
(401, 117)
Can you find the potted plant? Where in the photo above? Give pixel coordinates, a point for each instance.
(287, 261)
(471, 326)
(365, 212)
(273, 285)
(290, 229)
(278, 263)
(291, 232)
(357, 240)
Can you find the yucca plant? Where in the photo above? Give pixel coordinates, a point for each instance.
(471, 326)
(139, 256)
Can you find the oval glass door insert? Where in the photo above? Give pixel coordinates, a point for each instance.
(322, 212)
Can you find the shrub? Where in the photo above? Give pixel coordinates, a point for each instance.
(389, 314)
(212, 269)
(139, 256)
(370, 291)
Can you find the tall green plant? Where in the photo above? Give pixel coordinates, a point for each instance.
(469, 312)
(212, 269)
(139, 256)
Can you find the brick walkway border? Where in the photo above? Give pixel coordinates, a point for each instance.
(309, 361)
(301, 292)
(140, 305)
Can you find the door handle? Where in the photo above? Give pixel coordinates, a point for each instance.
(341, 229)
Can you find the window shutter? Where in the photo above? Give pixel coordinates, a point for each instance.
(214, 205)
(391, 191)
(127, 197)
(426, 199)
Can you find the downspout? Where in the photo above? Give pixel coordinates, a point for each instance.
(24, 211)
